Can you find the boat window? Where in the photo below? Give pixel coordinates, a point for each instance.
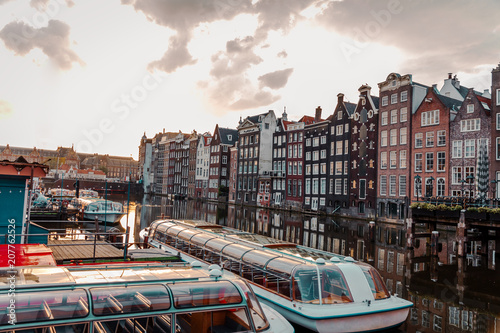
(173, 231)
(333, 286)
(259, 258)
(201, 239)
(43, 306)
(305, 284)
(375, 281)
(283, 265)
(188, 295)
(236, 250)
(227, 320)
(73, 328)
(130, 299)
(161, 324)
(259, 319)
(187, 234)
(36, 276)
(217, 244)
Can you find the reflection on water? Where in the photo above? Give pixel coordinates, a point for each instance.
(450, 294)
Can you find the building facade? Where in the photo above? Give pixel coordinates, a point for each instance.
(495, 130)
(218, 179)
(202, 165)
(363, 168)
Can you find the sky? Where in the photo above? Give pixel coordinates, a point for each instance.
(98, 74)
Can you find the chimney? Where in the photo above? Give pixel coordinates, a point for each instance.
(456, 82)
(449, 76)
(435, 87)
(340, 98)
(317, 116)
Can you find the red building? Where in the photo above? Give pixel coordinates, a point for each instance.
(495, 129)
(431, 144)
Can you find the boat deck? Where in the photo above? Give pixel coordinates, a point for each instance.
(65, 250)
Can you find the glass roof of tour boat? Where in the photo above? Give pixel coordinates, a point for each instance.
(38, 276)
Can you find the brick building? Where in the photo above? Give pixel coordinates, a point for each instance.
(193, 145)
(400, 96)
(431, 144)
(233, 172)
(223, 139)
(293, 167)
(202, 165)
(278, 172)
(495, 129)
(363, 167)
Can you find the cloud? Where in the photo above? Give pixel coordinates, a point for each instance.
(4, 2)
(436, 36)
(41, 5)
(5, 109)
(176, 56)
(53, 40)
(283, 54)
(275, 80)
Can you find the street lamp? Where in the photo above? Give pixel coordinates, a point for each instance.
(493, 190)
(418, 184)
(470, 179)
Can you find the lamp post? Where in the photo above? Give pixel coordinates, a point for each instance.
(470, 179)
(493, 191)
(418, 184)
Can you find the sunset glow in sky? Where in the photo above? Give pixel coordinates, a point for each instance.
(96, 74)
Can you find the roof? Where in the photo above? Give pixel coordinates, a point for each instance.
(228, 136)
(375, 100)
(350, 107)
(307, 120)
(257, 118)
(451, 103)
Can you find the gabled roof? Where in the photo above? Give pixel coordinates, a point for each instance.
(485, 102)
(451, 103)
(228, 136)
(375, 100)
(350, 107)
(307, 120)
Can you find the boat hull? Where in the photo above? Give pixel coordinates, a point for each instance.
(102, 217)
(369, 322)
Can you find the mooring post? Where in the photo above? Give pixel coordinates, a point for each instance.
(461, 235)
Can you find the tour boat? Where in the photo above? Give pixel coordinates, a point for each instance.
(322, 291)
(104, 210)
(58, 194)
(131, 298)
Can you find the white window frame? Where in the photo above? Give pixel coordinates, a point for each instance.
(402, 159)
(393, 160)
(402, 185)
(419, 157)
(383, 160)
(470, 143)
(383, 185)
(392, 185)
(430, 118)
(404, 96)
(394, 98)
(443, 157)
(403, 135)
(384, 118)
(393, 140)
(440, 134)
(394, 116)
(470, 125)
(403, 115)
(385, 100)
(470, 108)
(421, 137)
(427, 159)
(383, 139)
(428, 137)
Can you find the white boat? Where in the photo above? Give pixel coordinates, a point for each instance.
(104, 211)
(318, 290)
(57, 194)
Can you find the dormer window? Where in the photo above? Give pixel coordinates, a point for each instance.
(229, 137)
(470, 108)
(339, 115)
(393, 83)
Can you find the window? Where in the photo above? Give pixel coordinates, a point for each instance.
(383, 185)
(339, 146)
(383, 139)
(403, 135)
(315, 169)
(394, 98)
(339, 129)
(429, 139)
(429, 161)
(346, 146)
(308, 186)
(457, 149)
(394, 116)
(338, 167)
(323, 139)
(419, 138)
(402, 159)
(403, 115)
(456, 175)
(441, 138)
(315, 186)
(385, 100)
(470, 125)
(323, 153)
(315, 142)
(339, 114)
(362, 190)
(346, 128)
(392, 185)
(315, 155)
(470, 148)
(394, 137)
(402, 186)
(308, 169)
(440, 187)
(346, 165)
(498, 149)
(418, 162)
(308, 155)
(384, 118)
(345, 186)
(323, 168)
(383, 160)
(393, 160)
(498, 121)
(498, 96)
(338, 186)
(470, 108)
(441, 161)
(404, 96)
(430, 118)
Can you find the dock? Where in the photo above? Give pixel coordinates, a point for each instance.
(67, 250)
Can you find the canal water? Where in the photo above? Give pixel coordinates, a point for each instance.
(449, 293)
